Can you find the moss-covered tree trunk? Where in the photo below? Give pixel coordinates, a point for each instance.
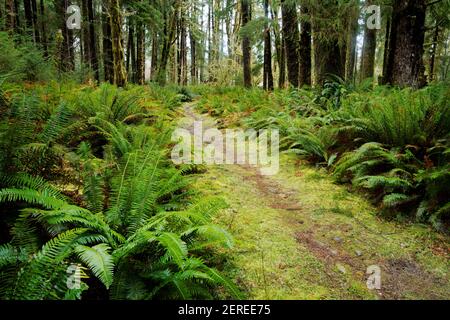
(115, 20)
(368, 53)
(329, 53)
(405, 64)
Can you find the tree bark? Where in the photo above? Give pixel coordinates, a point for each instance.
(246, 45)
(107, 47)
(351, 46)
(386, 51)
(368, 53)
(65, 50)
(11, 22)
(291, 38)
(170, 26)
(130, 64)
(434, 46)
(328, 54)
(140, 53)
(405, 64)
(85, 36)
(115, 20)
(37, 37)
(92, 40)
(305, 48)
(268, 74)
(43, 29)
(193, 45)
(154, 59)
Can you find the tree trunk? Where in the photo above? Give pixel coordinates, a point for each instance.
(34, 16)
(107, 47)
(386, 51)
(10, 23)
(434, 46)
(140, 50)
(92, 40)
(305, 48)
(65, 51)
(193, 44)
(85, 36)
(43, 29)
(115, 20)
(246, 45)
(281, 53)
(154, 61)
(131, 53)
(182, 60)
(328, 54)
(351, 46)
(29, 17)
(268, 74)
(291, 38)
(368, 53)
(170, 26)
(405, 64)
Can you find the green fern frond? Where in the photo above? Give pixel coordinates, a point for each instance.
(99, 261)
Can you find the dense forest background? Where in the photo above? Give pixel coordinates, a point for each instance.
(252, 43)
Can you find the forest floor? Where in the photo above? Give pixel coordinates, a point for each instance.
(300, 236)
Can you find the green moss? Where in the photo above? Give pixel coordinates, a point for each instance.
(269, 262)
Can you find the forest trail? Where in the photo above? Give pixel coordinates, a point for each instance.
(300, 236)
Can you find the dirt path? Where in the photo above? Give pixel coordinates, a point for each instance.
(299, 236)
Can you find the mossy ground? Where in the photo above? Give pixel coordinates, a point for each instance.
(300, 236)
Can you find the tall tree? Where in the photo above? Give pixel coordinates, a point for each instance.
(328, 50)
(352, 33)
(65, 48)
(108, 65)
(268, 74)
(369, 48)
(305, 47)
(246, 44)
(11, 20)
(130, 62)
(115, 20)
(405, 60)
(280, 48)
(169, 14)
(291, 38)
(89, 38)
(43, 23)
(140, 52)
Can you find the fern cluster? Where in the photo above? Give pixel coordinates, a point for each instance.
(90, 191)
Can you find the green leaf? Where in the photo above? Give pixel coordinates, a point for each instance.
(175, 247)
(99, 261)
